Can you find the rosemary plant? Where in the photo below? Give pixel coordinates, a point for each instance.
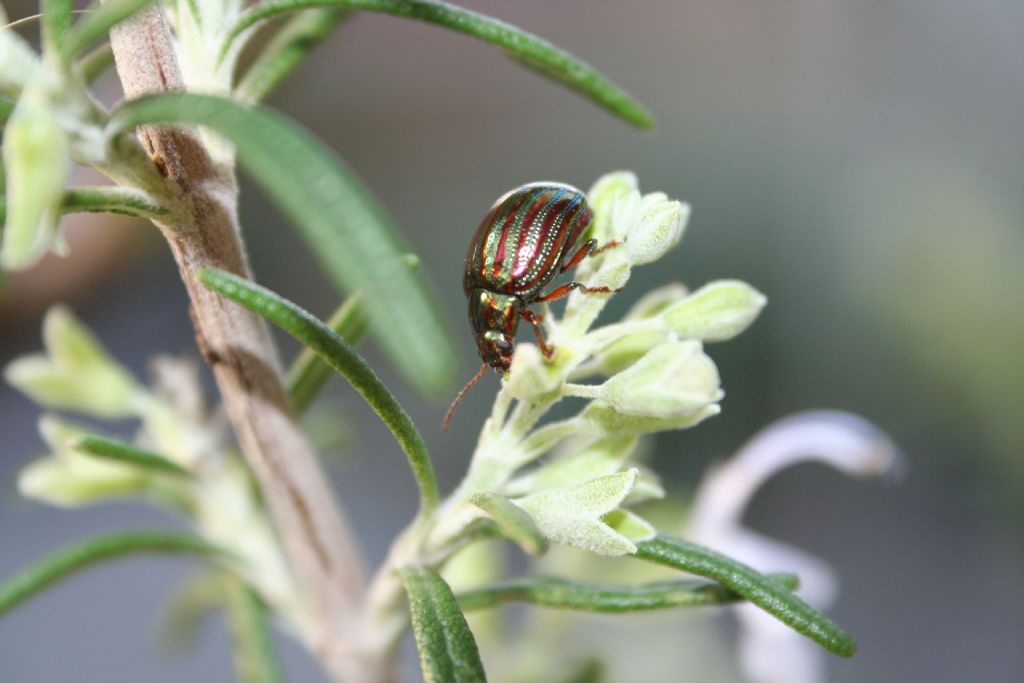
(267, 532)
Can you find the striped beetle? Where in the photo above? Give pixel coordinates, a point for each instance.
(522, 244)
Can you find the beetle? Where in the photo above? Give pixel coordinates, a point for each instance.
(523, 242)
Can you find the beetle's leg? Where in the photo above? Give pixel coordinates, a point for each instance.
(564, 291)
(589, 248)
(535, 319)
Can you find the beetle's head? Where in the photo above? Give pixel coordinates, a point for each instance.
(496, 349)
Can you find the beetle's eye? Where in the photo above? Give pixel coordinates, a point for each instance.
(502, 345)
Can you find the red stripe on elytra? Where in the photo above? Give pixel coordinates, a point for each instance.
(566, 214)
(542, 202)
(502, 236)
(537, 202)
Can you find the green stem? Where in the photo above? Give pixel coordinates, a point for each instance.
(588, 391)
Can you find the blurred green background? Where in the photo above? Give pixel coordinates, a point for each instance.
(862, 163)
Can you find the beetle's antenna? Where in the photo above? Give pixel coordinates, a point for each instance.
(461, 395)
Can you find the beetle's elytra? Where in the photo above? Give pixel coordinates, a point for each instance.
(522, 244)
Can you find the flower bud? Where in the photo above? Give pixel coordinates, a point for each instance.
(631, 344)
(77, 374)
(657, 226)
(674, 379)
(600, 420)
(715, 312)
(37, 160)
(655, 301)
(606, 193)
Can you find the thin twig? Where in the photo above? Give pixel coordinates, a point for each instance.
(319, 545)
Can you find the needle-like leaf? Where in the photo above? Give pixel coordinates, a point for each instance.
(308, 373)
(122, 200)
(448, 652)
(343, 358)
(112, 449)
(558, 593)
(287, 49)
(65, 562)
(96, 24)
(752, 585)
(56, 23)
(532, 51)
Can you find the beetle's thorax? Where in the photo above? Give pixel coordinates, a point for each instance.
(494, 318)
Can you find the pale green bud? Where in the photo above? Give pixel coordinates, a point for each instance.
(573, 516)
(673, 379)
(606, 193)
(631, 345)
(600, 419)
(657, 225)
(77, 374)
(655, 301)
(37, 159)
(715, 312)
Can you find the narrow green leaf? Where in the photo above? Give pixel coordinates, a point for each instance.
(546, 591)
(344, 225)
(286, 50)
(344, 359)
(513, 522)
(96, 24)
(448, 652)
(112, 449)
(752, 585)
(65, 562)
(308, 373)
(253, 648)
(532, 51)
(122, 200)
(95, 62)
(56, 21)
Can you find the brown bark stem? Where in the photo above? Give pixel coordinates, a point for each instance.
(316, 539)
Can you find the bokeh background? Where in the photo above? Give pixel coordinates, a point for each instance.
(859, 162)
